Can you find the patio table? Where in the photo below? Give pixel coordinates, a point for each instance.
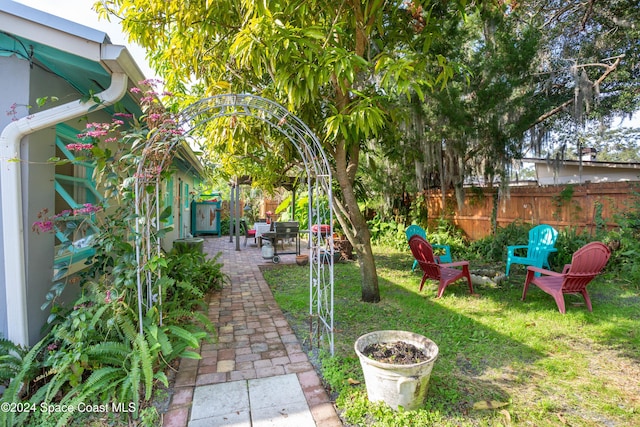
(261, 228)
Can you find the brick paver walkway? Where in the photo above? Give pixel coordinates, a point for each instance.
(254, 339)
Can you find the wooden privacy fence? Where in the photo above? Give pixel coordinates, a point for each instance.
(265, 206)
(573, 205)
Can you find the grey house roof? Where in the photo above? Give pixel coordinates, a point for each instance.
(554, 172)
(27, 13)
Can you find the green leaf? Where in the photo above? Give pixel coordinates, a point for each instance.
(166, 213)
(59, 287)
(190, 339)
(60, 273)
(58, 161)
(314, 33)
(42, 101)
(162, 377)
(187, 354)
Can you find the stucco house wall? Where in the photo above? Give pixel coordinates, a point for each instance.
(38, 193)
(14, 90)
(178, 188)
(23, 79)
(22, 85)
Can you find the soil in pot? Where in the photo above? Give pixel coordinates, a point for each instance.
(381, 354)
(398, 353)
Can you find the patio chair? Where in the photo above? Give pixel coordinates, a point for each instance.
(586, 263)
(413, 230)
(247, 232)
(542, 238)
(445, 274)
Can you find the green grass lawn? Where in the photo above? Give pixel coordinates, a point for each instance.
(577, 369)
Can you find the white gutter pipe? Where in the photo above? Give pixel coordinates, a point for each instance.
(11, 191)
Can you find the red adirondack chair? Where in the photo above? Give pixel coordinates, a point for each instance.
(586, 263)
(444, 273)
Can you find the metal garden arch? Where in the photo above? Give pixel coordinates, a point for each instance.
(158, 153)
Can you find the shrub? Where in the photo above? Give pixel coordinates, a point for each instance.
(115, 340)
(494, 248)
(94, 353)
(387, 233)
(190, 276)
(392, 234)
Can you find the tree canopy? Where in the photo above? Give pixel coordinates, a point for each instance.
(336, 65)
(539, 79)
(405, 95)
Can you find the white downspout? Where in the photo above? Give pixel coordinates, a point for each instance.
(11, 191)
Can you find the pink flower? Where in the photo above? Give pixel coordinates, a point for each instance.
(44, 226)
(150, 82)
(79, 147)
(62, 214)
(135, 90)
(87, 208)
(96, 133)
(98, 125)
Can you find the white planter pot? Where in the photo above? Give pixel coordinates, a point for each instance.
(397, 385)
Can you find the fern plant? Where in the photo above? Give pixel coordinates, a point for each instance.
(95, 350)
(11, 360)
(94, 354)
(18, 387)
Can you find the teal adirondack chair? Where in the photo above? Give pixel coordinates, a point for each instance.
(542, 238)
(413, 230)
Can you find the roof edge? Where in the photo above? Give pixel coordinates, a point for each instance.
(597, 163)
(117, 58)
(27, 13)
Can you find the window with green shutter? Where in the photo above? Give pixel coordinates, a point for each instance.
(75, 206)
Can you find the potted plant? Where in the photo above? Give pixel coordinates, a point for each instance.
(397, 366)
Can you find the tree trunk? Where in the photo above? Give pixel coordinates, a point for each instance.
(360, 237)
(347, 157)
(368, 273)
(355, 226)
